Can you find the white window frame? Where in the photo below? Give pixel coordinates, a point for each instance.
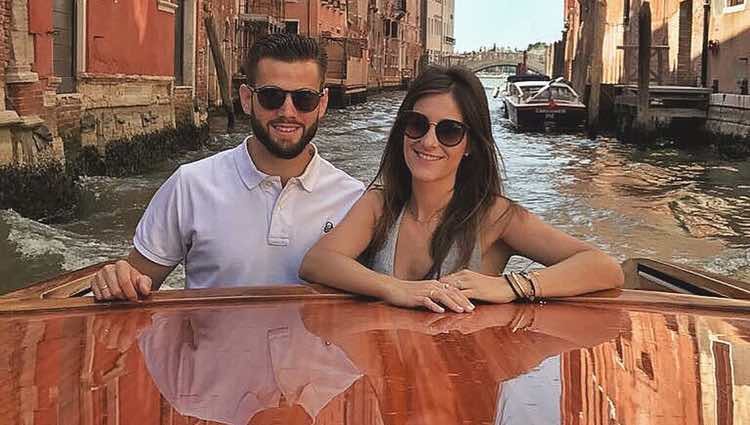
(734, 9)
(167, 6)
(293, 20)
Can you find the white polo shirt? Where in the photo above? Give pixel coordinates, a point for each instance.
(233, 225)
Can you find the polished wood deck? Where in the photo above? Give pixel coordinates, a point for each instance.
(306, 354)
(349, 361)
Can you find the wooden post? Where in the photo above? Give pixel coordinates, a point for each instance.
(598, 15)
(704, 50)
(583, 49)
(643, 117)
(221, 71)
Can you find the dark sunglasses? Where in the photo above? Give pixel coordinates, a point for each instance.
(415, 125)
(271, 97)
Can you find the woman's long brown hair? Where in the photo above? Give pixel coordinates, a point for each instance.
(478, 181)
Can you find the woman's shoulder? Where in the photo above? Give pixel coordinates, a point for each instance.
(501, 213)
(373, 200)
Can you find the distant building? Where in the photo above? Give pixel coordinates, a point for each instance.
(437, 25)
(339, 25)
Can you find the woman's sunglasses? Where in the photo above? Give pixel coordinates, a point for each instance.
(271, 97)
(415, 125)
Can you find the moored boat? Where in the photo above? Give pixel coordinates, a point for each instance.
(533, 101)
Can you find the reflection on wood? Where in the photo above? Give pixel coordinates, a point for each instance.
(667, 370)
(616, 365)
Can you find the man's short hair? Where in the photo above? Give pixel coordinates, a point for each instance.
(284, 47)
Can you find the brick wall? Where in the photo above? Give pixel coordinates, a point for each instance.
(201, 64)
(684, 70)
(4, 32)
(4, 46)
(26, 98)
(183, 106)
(68, 115)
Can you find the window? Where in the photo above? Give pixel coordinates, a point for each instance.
(291, 27)
(734, 6)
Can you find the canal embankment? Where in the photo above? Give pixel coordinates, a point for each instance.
(728, 123)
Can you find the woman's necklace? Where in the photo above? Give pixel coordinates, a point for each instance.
(428, 220)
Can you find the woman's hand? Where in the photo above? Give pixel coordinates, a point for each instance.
(430, 294)
(477, 286)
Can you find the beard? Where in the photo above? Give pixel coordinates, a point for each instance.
(277, 149)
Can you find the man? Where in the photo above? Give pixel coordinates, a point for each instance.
(246, 215)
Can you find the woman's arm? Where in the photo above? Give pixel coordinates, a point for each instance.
(573, 266)
(332, 261)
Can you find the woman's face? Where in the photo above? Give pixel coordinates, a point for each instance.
(427, 158)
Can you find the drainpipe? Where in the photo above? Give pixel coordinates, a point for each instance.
(704, 54)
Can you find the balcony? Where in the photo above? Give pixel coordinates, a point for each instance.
(262, 10)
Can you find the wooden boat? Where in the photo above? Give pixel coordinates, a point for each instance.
(306, 354)
(533, 101)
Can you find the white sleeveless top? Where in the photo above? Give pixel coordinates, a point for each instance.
(384, 258)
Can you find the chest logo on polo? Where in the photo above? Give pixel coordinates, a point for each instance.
(328, 227)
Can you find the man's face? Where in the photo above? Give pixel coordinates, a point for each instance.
(285, 131)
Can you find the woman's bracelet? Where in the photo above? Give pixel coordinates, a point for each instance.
(512, 287)
(524, 285)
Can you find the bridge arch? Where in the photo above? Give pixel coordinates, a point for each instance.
(482, 60)
(535, 68)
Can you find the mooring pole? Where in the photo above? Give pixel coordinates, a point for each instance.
(643, 117)
(221, 70)
(704, 53)
(599, 15)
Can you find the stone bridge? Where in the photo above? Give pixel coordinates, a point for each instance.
(489, 59)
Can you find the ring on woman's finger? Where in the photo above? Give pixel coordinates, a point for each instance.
(446, 286)
(432, 293)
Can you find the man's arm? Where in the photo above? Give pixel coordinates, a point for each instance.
(129, 279)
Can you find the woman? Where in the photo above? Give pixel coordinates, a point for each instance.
(436, 231)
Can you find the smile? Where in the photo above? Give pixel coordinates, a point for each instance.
(285, 128)
(427, 157)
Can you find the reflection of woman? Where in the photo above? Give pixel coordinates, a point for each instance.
(437, 229)
(463, 368)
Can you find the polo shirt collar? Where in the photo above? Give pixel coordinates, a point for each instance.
(252, 177)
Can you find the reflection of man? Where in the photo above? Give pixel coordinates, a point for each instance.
(232, 365)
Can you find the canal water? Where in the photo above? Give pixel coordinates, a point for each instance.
(686, 206)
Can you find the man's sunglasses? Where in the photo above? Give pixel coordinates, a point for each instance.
(415, 125)
(271, 97)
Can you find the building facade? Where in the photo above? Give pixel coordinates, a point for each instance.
(677, 33)
(85, 73)
(695, 43)
(438, 26)
(339, 26)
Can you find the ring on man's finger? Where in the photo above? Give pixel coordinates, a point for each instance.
(432, 293)
(446, 286)
(460, 284)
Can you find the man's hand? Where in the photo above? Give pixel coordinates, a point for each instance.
(120, 281)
